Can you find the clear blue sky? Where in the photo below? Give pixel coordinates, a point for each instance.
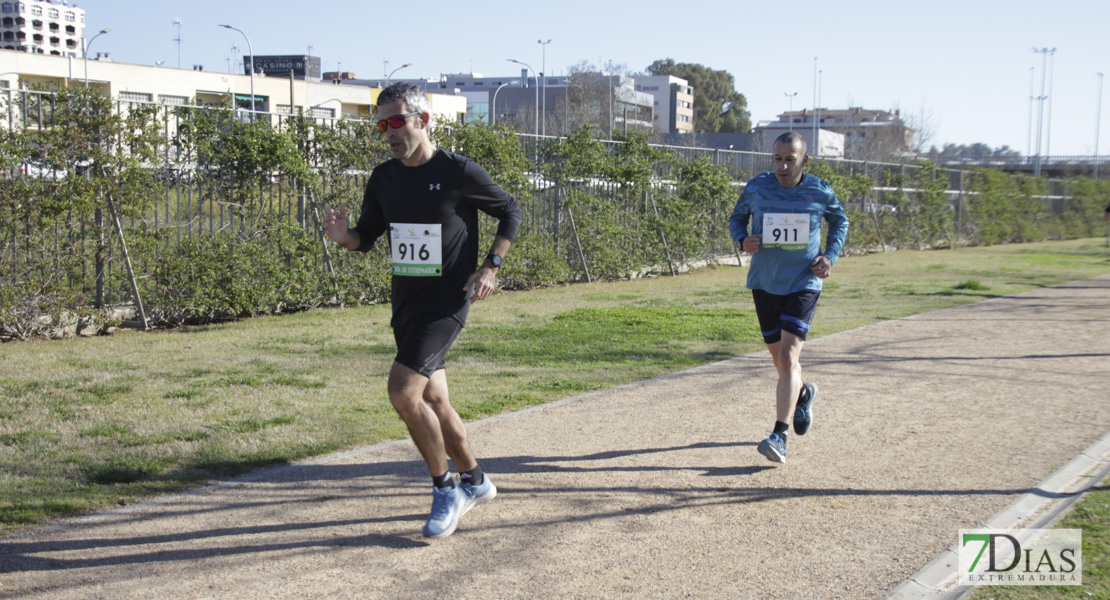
(963, 65)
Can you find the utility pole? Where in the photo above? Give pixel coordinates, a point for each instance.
(177, 24)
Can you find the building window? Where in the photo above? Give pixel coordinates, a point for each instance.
(6, 7)
(323, 113)
(53, 13)
(479, 83)
(8, 22)
(71, 16)
(175, 100)
(136, 97)
(37, 24)
(36, 10)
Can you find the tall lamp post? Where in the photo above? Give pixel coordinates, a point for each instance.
(250, 49)
(390, 76)
(1098, 118)
(493, 105)
(87, 45)
(537, 127)
(815, 125)
(543, 69)
(1040, 112)
(790, 112)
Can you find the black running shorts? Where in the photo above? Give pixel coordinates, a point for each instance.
(792, 312)
(422, 344)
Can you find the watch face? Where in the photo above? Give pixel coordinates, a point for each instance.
(495, 259)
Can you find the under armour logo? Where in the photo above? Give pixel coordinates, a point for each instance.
(433, 186)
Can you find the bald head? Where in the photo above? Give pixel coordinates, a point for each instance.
(792, 138)
(789, 159)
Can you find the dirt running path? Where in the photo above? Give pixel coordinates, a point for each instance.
(651, 490)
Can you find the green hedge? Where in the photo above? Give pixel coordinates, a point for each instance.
(593, 209)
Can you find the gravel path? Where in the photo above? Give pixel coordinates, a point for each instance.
(923, 426)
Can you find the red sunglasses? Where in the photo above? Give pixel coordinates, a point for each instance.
(396, 121)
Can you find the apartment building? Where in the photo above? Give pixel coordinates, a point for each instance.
(52, 27)
(673, 103)
(868, 134)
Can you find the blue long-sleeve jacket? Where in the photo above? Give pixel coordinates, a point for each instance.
(783, 271)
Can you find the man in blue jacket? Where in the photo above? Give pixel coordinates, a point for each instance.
(784, 210)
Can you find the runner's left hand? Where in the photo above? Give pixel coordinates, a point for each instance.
(483, 282)
(821, 266)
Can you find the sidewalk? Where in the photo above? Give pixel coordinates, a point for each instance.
(923, 426)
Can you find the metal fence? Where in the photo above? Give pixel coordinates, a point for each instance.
(187, 206)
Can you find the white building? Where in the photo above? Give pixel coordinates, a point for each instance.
(831, 143)
(674, 102)
(166, 85)
(53, 27)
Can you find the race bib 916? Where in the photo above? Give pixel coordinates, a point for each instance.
(417, 249)
(788, 231)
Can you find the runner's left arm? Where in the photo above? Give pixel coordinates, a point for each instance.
(838, 228)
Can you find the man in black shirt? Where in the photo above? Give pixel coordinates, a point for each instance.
(427, 199)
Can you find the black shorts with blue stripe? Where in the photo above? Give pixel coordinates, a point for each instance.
(792, 312)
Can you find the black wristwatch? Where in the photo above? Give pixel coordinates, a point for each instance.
(495, 260)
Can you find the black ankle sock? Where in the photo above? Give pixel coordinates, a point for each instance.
(473, 476)
(443, 481)
(781, 428)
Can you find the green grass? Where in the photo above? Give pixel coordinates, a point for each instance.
(1092, 515)
(94, 422)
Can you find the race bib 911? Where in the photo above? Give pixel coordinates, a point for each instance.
(417, 249)
(788, 231)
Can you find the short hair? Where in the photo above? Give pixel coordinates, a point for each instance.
(414, 97)
(791, 138)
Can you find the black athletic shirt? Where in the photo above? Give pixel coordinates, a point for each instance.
(449, 190)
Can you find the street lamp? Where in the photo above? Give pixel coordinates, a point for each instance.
(543, 69)
(790, 112)
(537, 127)
(89, 43)
(1098, 117)
(250, 49)
(493, 107)
(1040, 113)
(390, 76)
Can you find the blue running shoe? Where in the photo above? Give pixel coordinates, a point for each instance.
(774, 448)
(447, 506)
(477, 494)
(803, 411)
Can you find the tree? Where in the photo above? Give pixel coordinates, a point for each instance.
(718, 107)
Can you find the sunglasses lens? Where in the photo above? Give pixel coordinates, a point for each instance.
(396, 122)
